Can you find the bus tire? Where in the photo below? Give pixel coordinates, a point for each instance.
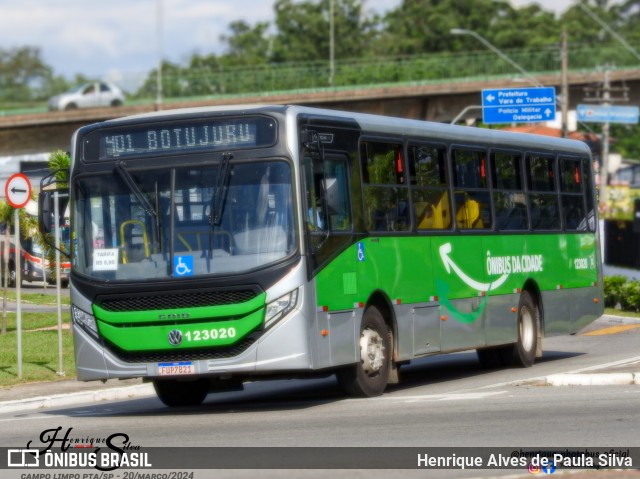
(370, 375)
(523, 352)
(175, 393)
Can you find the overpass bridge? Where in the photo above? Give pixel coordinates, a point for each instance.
(420, 88)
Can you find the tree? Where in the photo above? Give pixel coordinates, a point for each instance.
(303, 30)
(59, 163)
(247, 45)
(23, 74)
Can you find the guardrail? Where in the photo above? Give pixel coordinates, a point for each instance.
(215, 81)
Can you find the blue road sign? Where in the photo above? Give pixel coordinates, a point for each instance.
(607, 114)
(518, 105)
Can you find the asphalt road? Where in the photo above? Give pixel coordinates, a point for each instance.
(445, 401)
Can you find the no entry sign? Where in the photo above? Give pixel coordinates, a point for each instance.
(18, 190)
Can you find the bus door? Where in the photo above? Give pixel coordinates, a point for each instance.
(328, 225)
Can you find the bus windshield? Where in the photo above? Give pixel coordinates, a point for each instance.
(143, 224)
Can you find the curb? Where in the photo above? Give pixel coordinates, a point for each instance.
(70, 399)
(600, 379)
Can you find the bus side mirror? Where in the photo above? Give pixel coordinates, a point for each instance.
(46, 209)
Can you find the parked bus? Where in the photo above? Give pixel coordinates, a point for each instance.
(218, 245)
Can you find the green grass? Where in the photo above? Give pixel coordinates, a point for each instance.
(36, 298)
(619, 312)
(39, 350)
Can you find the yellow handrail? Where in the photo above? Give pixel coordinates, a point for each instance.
(145, 238)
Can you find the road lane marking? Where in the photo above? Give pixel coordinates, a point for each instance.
(612, 330)
(453, 396)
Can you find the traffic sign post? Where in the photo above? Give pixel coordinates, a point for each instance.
(17, 190)
(518, 105)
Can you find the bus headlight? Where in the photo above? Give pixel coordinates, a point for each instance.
(85, 320)
(280, 307)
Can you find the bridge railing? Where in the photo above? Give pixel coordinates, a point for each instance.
(271, 79)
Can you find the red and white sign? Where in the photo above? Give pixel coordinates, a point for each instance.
(18, 190)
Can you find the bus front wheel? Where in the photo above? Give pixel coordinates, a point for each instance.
(174, 393)
(370, 375)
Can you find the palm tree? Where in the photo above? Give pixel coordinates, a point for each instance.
(6, 219)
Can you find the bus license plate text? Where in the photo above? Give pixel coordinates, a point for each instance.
(176, 369)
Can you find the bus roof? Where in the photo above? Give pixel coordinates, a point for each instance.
(386, 125)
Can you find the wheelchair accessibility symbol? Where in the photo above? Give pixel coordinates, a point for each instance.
(360, 252)
(183, 265)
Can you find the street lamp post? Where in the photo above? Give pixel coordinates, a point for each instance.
(159, 35)
(494, 49)
(332, 65)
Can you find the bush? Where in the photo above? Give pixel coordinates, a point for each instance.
(630, 296)
(613, 290)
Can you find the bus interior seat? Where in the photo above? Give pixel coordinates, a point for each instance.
(430, 216)
(468, 215)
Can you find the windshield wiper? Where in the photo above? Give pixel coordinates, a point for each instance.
(219, 196)
(121, 169)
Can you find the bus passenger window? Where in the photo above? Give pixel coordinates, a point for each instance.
(508, 194)
(544, 204)
(429, 193)
(472, 200)
(572, 197)
(385, 189)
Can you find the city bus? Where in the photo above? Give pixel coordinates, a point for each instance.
(219, 245)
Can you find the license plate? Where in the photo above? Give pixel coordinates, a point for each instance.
(176, 369)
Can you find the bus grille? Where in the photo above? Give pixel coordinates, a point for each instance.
(176, 300)
(182, 354)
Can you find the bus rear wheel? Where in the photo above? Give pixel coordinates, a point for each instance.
(522, 353)
(370, 375)
(175, 393)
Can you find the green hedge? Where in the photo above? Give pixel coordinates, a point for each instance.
(623, 293)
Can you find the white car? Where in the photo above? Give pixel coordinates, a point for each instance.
(88, 95)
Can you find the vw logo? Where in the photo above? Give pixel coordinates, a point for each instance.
(174, 337)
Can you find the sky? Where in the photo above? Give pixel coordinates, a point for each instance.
(118, 40)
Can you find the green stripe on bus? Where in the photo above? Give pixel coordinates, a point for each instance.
(406, 268)
(194, 335)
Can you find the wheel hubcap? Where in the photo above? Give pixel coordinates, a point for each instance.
(371, 351)
(526, 329)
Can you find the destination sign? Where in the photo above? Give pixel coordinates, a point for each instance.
(162, 139)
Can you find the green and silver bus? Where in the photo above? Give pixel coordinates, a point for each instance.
(214, 246)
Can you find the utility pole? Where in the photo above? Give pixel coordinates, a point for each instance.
(332, 53)
(159, 35)
(604, 98)
(565, 85)
(604, 174)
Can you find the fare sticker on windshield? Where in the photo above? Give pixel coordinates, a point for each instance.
(105, 259)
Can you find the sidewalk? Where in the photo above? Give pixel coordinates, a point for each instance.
(68, 392)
